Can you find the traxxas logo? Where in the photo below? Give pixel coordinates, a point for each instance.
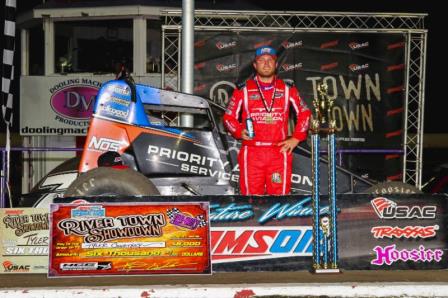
(387, 209)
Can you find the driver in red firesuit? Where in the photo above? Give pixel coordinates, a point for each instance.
(265, 160)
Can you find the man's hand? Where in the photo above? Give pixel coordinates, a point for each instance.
(288, 145)
(245, 135)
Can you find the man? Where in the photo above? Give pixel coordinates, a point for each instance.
(265, 159)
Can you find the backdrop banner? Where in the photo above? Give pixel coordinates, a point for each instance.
(365, 74)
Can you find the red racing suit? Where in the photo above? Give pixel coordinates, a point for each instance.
(263, 168)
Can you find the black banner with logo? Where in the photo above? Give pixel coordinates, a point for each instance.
(364, 72)
(275, 233)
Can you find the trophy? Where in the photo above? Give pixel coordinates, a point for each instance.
(325, 240)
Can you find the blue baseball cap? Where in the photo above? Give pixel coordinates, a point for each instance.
(265, 50)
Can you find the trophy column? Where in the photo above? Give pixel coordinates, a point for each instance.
(325, 240)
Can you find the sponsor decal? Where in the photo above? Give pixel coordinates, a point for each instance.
(280, 211)
(329, 44)
(292, 44)
(86, 266)
(262, 117)
(74, 98)
(88, 211)
(388, 209)
(120, 90)
(200, 43)
(199, 87)
(221, 91)
(191, 162)
(254, 96)
(25, 223)
(407, 232)
(262, 44)
(114, 112)
(104, 144)
(105, 229)
(358, 45)
(395, 45)
(177, 218)
(276, 178)
(231, 212)
(225, 68)
(329, 66)
(390, 254)
(225, 45)
(357, 67)
(395, 67)
(233, 244)
(200, 65)
(9, 266)
(290, 67)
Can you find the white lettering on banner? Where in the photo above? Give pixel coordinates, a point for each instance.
(192, 163)
(220, 92)
(371, 87)
(358, 117)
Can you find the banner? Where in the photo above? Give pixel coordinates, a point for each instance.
(129, 239)
(275, 233)
(24, 234)
(365, 74)
(63, 104)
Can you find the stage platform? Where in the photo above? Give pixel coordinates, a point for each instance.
(379, 283)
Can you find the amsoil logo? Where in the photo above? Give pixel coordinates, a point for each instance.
(292, 44)
(291, 67)
(406, 232)
(388, 209)
(329, 66)
(225, 68)
(225, 45)
(357, 45)
(232, 244)
(357, 67)
(329, 44)
(9, 266)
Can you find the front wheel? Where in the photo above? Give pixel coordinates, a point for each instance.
(110, 181)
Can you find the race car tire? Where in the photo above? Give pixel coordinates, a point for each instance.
(110, 181)
(392, 187)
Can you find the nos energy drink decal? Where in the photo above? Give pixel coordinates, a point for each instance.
(114, 101)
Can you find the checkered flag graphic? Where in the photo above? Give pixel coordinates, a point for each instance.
(171, 213)
(8, 45)
(202, 221)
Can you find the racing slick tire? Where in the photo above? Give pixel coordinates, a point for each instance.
(392, 187)
(110, 181)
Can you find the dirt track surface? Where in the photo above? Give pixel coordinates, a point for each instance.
(41, 280)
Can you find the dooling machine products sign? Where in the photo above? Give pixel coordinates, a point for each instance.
(129, 239)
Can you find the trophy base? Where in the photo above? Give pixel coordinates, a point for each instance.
(326, 271)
